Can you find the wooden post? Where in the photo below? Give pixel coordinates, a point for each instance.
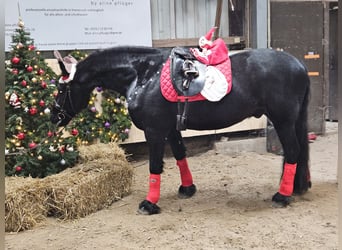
(339, 164)
(218, 18)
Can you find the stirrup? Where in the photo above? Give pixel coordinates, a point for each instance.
(189, 69)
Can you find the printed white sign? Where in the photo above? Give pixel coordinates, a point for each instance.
(81, 24)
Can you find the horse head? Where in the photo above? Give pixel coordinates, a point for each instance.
(111, 69)
(67, 102)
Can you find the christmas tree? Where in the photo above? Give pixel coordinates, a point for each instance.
(32, 146)
(109, 122)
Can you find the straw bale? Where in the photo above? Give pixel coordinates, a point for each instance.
(25, 200)
(102, 176)
(99, 151)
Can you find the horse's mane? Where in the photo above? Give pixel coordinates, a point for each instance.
(115, 55)
(110, 58)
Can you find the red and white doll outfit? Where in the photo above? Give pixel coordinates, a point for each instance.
(213, 52)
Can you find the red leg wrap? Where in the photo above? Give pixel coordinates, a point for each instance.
(154, 191)
(287, 181)
(185, 173)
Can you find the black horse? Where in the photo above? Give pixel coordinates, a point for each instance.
(264, 81)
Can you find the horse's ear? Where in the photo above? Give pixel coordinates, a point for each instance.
(70, 59)
(57, 55)
(68, 62)
(59, 58)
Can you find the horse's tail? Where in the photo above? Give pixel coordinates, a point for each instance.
(302, 180)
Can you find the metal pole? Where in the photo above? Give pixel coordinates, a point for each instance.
(218, 18)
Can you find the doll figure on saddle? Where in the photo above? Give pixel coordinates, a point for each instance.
(210, 52)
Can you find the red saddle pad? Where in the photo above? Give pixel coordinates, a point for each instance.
(171, 94)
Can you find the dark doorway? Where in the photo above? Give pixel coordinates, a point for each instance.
(297, 27)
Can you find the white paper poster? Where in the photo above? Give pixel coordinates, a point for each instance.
(81, 24)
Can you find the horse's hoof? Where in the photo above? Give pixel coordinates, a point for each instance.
(186, 192)
(280, 200)
(147, 208)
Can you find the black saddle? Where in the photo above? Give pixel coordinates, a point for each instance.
(187, 74)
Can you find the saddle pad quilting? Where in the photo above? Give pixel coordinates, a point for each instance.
(170, 93)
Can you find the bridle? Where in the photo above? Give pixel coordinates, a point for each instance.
(59, 108)
(64, 91)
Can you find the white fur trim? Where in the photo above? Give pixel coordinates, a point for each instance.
(215, 86)
(71, 75)
(72, 72)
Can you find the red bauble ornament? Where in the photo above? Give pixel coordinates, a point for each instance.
(62, 150)
(15, 71)
(23, 83)
(31, 47)
(74, 132)
(18, 168)
(41, 72)
(41, 103)
(33, 110)
(50, 134)
(21, 136)
(15, 60)
(43, 84)
(29, 68)
(32, 145)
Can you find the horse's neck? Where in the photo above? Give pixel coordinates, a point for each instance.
(118, 79)
(124, 77)
(118, 69)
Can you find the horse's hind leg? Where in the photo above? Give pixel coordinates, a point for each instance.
(187, 188)
(302, 179)
(291, 147)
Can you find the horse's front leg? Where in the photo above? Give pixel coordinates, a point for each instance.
(187, 188)
(156, 144)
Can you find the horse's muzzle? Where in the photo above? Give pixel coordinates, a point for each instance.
(54, 119)
(58, 117)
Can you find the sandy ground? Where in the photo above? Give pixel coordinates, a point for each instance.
(232, 209)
